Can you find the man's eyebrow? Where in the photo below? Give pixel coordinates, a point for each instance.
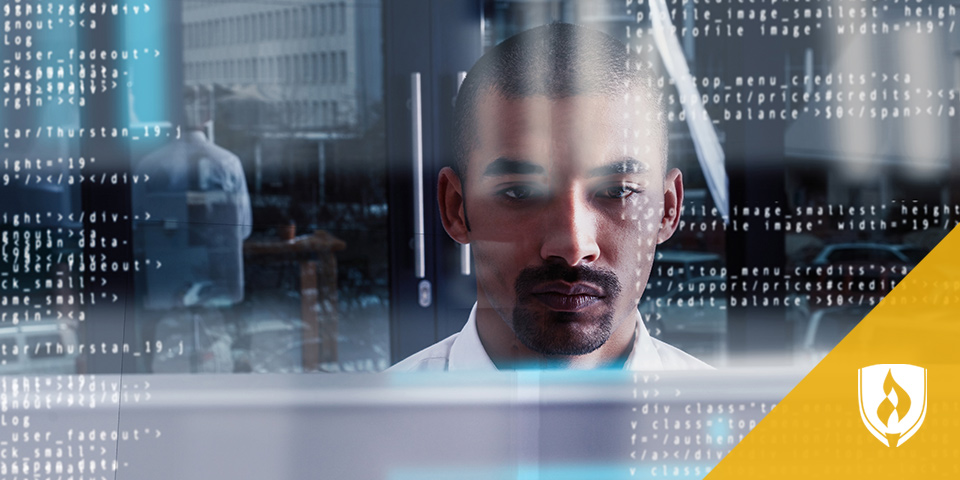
(625, 165)
(507, 166)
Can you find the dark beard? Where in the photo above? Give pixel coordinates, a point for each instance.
(563, 333)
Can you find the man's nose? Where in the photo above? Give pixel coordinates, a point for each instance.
(570, 231)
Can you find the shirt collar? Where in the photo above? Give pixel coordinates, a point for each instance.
(467, 352)
(644, 355)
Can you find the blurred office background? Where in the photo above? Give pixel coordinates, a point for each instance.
(313, 102)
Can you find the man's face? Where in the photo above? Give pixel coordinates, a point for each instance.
(564, 199)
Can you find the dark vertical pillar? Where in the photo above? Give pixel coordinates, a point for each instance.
(108, 295)
(438, 39)
(407, 41)
(756, 167)
(458, 24)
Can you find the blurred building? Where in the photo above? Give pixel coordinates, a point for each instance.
(310, 65)
(295, 89)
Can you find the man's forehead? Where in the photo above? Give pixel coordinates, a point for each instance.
(593, 130)
(542, 114)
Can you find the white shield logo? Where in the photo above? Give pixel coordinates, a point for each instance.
(893, 401)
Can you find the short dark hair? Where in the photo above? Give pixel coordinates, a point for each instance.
(558, 60)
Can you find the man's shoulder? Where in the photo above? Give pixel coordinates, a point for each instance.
(675, 359)
(434, 358)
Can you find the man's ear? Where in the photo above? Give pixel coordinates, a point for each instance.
(672, 201)
(450, 198)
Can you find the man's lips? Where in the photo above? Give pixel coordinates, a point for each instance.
(567, 297)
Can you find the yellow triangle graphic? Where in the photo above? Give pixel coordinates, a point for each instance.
(817, 430)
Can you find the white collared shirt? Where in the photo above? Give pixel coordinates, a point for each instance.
(463, 352)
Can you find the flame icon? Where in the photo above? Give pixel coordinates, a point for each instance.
(896, 414)
(888, 408)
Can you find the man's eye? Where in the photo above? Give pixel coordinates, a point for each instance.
(618, 192)
(519, 192)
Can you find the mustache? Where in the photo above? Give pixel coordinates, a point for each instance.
(530, 277)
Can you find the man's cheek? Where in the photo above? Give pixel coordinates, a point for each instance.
(495, 258)
(487, 268)
(496, 275)
(647, 214)
(648, 217)
(505, 233)
(642, 276)
(632, 280)
(635, 255)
